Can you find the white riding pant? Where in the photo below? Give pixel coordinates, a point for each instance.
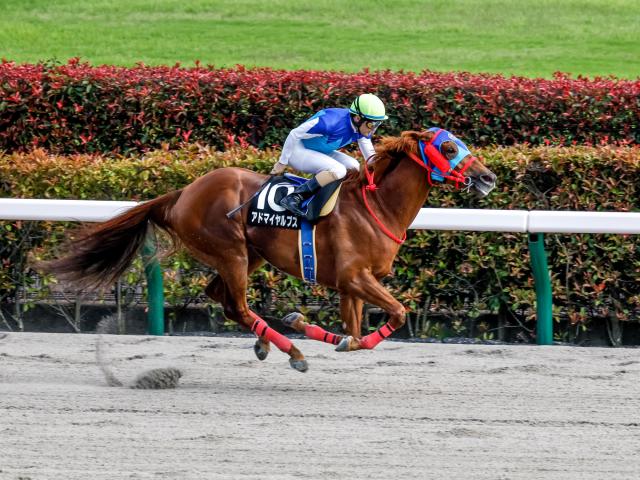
(311, 161)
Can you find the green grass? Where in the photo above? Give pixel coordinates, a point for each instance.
(532, 38)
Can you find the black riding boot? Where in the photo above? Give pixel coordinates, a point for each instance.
(293, 201)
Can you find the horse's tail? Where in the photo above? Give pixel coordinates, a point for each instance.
(99, 254)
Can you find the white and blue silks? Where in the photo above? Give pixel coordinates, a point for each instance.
(313, 146)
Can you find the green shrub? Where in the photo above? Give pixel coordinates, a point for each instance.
(460, 274)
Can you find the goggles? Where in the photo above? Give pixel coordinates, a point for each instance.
(372, 125)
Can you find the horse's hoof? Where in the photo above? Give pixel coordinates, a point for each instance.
(290, 319)
(260, 352)
(343, 346)
(299, 365)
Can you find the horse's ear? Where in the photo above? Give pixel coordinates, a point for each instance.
(411, 138)
(424, 135)
(393, 145)
(412, 134)
(406, 142)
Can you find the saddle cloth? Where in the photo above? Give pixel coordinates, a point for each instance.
(265, 210)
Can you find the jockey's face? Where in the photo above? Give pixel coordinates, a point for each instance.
(368, 127)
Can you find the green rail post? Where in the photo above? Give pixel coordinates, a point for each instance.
(155, 291)
(544, 297)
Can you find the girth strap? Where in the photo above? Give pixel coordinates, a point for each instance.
(307, 249)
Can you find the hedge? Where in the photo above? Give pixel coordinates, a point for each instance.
(79, 108)
(596, 278)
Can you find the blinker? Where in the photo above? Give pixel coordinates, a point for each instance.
(431, 150)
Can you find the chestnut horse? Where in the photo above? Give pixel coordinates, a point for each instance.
(355, 245)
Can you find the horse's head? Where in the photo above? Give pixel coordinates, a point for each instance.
(448, 159)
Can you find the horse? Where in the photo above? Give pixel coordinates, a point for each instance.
(356, 244)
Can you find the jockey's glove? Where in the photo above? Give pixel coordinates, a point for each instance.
(278, 169)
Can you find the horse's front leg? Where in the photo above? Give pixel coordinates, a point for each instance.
(351, 314)
(297, 321)
(367, 287)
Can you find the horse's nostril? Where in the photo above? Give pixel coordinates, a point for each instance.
(488, 179)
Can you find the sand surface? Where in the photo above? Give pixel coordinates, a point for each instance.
(402, 411)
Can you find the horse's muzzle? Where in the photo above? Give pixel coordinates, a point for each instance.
(483, 184)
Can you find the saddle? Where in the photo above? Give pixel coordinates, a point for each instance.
(265, 209)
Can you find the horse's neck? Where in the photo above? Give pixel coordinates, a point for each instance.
(401, 194)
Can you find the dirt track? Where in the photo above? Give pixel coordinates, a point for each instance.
(401, 411)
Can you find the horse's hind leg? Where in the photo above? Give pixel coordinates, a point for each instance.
(236, 308)
(216, 291)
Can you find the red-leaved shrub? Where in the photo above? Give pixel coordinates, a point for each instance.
(79, 108)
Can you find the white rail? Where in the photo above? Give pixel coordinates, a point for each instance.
(527, 221)
(61, 210)
(523, 221)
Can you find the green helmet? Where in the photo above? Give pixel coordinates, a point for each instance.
(368, 106)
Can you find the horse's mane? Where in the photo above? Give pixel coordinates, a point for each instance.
(388, 152)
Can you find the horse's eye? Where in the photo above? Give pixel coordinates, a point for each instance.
(449, 150)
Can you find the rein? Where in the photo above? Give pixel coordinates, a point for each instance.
(372, 187)
(424, 162)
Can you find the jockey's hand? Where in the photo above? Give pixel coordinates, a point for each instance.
(278, 169)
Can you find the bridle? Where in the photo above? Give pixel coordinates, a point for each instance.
(438, 168)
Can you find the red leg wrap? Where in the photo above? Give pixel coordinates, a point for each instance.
(315, 332)
(373, 339)
(261, 329)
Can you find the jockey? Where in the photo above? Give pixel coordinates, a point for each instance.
(313, 146)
